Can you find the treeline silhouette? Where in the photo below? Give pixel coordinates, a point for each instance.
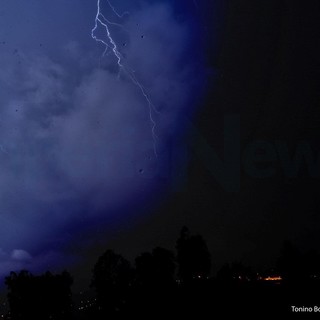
(162, 283)
(39, 297)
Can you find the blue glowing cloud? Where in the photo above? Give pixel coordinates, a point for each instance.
(78, 131)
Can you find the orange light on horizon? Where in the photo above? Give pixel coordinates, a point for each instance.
(274, 278)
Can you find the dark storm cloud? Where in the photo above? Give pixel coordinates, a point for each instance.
(73, 133)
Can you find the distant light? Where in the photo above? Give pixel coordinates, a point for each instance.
(274, 278)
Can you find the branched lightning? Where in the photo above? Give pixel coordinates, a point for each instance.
(101, 20)
(113, 23)
(115, 11)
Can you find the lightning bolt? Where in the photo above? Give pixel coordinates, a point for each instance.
(115, 12)
(113, 23)
(101, 20)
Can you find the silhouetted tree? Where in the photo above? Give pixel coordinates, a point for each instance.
(193, 256)
(154, 283)
(156, 268)
(145, 269)
(39, 297)
(165, 265)
(112, 277)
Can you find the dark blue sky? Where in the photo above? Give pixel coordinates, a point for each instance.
(78, 170)
(76, 138)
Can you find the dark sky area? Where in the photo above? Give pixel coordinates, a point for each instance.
(228, 146)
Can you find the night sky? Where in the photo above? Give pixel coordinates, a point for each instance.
(202, 124)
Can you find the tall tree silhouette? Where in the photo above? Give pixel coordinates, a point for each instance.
(155, 283)
(156, 268)
(39, 297)
(193, 256)
(112, 276)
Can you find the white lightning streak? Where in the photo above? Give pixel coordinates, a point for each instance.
(104, 22)
(113, 23)
(115, 11)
